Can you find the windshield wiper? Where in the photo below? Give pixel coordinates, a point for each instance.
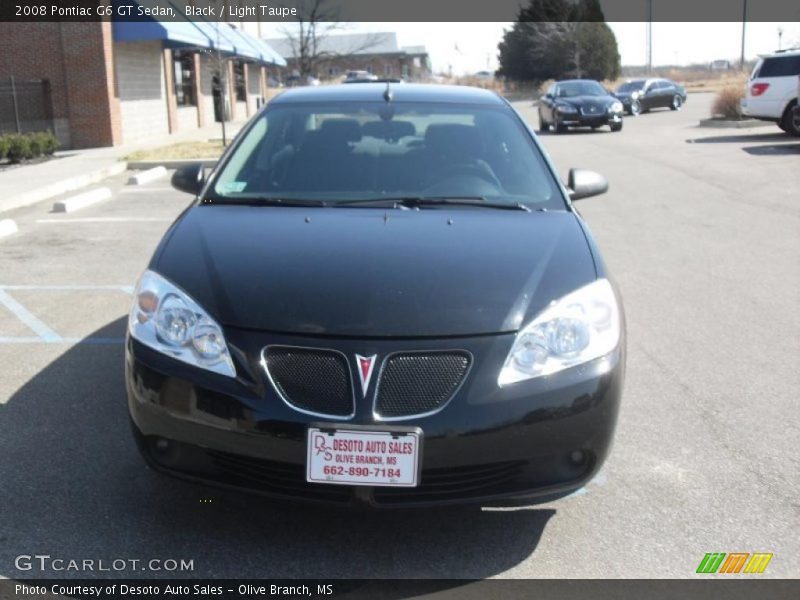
(268, 201)
(416, 201)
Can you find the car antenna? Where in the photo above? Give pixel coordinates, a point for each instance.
(387, 93)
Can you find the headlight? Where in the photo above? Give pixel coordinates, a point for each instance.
(616, 107)
(580, 327)
(566, 109)
(166, 318)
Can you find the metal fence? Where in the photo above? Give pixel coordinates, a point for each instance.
(25, 105)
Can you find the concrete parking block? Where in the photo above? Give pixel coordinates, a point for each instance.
(147, 176)
(83, 200)
(7, 227)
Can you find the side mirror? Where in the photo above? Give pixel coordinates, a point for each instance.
(189, 178)
(549, 96)
(584, 184)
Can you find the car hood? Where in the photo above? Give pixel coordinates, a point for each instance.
(587, 101)
(374, 272)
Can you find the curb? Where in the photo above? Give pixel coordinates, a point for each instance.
(726, 124)
(62, 187)
(147, 176)
(7, 227)
(172, 163)
(80, 201)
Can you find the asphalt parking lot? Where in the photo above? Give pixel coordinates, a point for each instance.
(701, 228)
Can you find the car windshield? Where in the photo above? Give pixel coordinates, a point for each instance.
(343, 152)
(569, 89)
(631, 86)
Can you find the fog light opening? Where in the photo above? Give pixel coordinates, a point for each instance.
(578, 457)
(161, 445)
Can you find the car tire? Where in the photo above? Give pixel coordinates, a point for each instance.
(615, 126)
(790, 122)
(677, 102)
(636, 109)
(559, 128)
(543, 125)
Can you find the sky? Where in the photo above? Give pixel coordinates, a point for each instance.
(471, 47)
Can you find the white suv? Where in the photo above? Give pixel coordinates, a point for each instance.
(772, 91)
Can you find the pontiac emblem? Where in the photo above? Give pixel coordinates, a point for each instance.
(365, 366)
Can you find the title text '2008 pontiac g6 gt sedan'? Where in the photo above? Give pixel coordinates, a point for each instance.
(382, 295)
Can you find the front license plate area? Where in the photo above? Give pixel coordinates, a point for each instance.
(351, 456)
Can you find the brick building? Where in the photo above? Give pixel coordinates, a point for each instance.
(113, 83)
(378, 53)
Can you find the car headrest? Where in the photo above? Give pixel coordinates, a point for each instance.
(389, 129)
(340, 130)
(453, 138)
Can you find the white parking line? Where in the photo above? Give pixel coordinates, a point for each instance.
(110, 220)
(23, 314)
(45, 334)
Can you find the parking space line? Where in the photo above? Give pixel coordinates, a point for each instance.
(110, 220)
(23, 314)
(69, 340)
(128, 289)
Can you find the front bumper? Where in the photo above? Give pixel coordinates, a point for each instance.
(536, 440)
(589, 120)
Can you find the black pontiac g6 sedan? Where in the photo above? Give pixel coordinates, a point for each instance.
(381, 295)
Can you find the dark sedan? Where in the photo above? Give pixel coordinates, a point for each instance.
(579, 103)
(381, 295)
(641, 95)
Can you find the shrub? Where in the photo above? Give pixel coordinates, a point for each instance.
(727, 103)
(19, 148)
(48, 142)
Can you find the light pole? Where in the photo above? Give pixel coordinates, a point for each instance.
(649, 36)
(744, 28)
(780, 36)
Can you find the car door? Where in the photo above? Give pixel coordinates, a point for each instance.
(667, 92)
(648, 99)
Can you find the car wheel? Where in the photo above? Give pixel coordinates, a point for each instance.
(635, 109)
(615, 126)
(543, 125)
(790, 122)
(677, 102)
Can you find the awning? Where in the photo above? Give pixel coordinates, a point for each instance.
(173, 33)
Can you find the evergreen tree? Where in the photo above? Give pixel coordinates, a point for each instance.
(554, 39)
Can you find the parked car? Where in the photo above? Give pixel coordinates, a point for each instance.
(641, 95)
(359, 77)
(771, 93)
(322, 325)
(579, 103)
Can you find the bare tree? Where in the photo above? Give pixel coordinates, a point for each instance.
(316, 20)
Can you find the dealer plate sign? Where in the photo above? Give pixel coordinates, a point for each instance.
(358, 457)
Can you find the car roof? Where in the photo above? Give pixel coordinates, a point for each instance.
(407, 92)
(779, 53)
(575, 80)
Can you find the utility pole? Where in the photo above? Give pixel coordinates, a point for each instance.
(780, 37)
(744, 28)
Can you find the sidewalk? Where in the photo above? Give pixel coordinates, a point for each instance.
(75, 169)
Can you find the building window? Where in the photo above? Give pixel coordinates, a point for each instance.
(333, 71)
(387, 70)
(183, 63)
(239, 80)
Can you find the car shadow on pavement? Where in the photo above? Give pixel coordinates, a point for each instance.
(74, 487)
(773, 150)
